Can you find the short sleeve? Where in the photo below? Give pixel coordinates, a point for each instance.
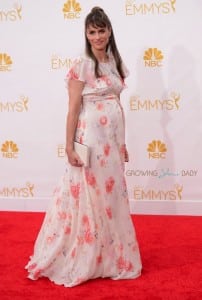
(125, 70)
(78, 70)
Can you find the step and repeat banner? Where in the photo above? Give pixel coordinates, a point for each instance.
(160, 42)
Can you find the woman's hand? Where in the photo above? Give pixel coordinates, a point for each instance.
(74, 158)
(126, 155)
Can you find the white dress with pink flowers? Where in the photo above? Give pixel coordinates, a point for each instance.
(87, 231)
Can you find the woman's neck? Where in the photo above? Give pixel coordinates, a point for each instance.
(101, 55)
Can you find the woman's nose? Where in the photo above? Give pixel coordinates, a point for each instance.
(97, 35)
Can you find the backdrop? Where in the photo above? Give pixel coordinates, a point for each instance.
(160, 42)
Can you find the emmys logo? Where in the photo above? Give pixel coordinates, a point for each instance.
(61, 151)
(24, 192)
(21, 105)
(133, 7)
(153, 57)
(12, 14)
(71, 9)
(5, 62)
(157, 149)
(9, 149)
(173, 194)
(172, 103)
(59, 63)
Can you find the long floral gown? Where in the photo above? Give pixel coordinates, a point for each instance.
(87, 231)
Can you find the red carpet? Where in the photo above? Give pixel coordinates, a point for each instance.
(171, 250)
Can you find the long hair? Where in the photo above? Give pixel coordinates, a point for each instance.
(98, 18)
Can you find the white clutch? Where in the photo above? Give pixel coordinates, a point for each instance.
(84, 153)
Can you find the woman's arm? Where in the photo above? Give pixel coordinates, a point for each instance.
(75, 88)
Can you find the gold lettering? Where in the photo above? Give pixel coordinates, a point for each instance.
(143, 104)
(157, 155)
(54, 63)
(161, 103)
(4, 107)
(129, 10)
(12, 14)
(66, 63)
(149, 9)
(153, 105)
(11, 192)
(10, 155)
(146, 195)
(137, 194)
(156, 195)
(169, 104)
(72, 15)
(3, 192)
(24, 192)
(140, 9)
(165, 8)
(19, 106)
(172, 195)
(133, 104)
(61, 151)
(158, 7)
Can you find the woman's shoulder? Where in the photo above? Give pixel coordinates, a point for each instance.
(81, 66)
(82, 59)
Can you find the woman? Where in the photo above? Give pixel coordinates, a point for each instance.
(87, 231)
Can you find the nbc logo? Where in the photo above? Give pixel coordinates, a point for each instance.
(71, 9)
(5, 62)
(156, 149)
(133, 7)
(153, 57)
(9, 149)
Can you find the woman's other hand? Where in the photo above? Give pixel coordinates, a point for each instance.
(74, 158)
(126, 155)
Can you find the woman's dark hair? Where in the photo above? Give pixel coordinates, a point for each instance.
(98, 18)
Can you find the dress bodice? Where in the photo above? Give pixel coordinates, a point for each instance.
(108, 85)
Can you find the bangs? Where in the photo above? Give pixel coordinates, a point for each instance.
(96, 23)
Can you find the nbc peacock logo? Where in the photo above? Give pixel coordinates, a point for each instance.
(9, 149)
(163, 7)
(153, 57)
(71, 9)
(5, 62)
(157, 149)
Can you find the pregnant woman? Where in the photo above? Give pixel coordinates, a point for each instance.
(87, 231)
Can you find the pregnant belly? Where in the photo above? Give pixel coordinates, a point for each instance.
(99, 120)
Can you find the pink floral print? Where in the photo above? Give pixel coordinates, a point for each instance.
(109, 184)
(87, 230)
(103, 120)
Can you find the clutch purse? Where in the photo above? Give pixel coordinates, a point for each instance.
(84, 153)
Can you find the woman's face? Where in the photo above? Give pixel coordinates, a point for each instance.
(98, 37)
